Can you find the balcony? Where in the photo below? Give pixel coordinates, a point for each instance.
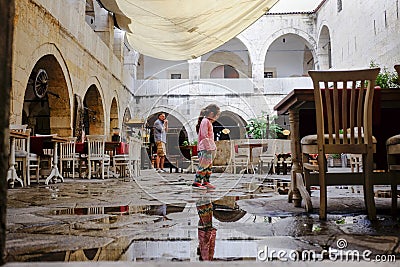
(215, 87)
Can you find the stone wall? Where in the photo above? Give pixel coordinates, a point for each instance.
(59, 29)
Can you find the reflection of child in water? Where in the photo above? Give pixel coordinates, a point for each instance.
(206, 232)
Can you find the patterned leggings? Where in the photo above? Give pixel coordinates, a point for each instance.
(203, 172)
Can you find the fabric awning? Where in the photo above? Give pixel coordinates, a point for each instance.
(183, 29)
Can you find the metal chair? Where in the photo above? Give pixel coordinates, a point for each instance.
(343, 100)
(28, 161)
(68, 155)
(96, 154)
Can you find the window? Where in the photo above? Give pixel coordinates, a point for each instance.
(339, 5)
(268, 74)
(176, 76)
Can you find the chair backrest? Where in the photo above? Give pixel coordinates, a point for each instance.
(96, 145)
(134, 148)
(397, 68)
(21, 144)
(67, 149)
(344, 100)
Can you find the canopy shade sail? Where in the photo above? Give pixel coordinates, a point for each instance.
(183, 29)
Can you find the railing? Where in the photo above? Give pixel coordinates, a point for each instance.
(217, 86)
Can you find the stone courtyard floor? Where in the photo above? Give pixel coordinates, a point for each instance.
(154, 219)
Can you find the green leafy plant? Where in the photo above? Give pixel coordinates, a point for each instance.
(335, 156)
(340, 221)
(185, 143)
(386, 78)
(257, 127)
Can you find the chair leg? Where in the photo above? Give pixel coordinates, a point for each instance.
(369, 197)
(61, 167)
(73, 169)
(394, 197)
(322, 188)
(90, 169)
(369, 187)
(102, 170)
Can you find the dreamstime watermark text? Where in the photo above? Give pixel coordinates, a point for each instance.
(331, 254)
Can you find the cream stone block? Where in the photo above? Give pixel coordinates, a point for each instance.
(59, 122)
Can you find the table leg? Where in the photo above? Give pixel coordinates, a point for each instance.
(294, 193)
(55, 173)
(12, 173)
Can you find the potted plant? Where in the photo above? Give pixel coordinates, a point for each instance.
(386, 78)
(257, 127)
(189, 149)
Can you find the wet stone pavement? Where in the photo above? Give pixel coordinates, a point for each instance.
(160, 217)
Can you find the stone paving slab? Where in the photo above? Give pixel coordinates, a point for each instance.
(198, 264)
(99, 220)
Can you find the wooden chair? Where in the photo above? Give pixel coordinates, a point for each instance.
(97, 155)
(29, 161)
(355, 162)
(393, 159)
(343, 100)
(68, 155)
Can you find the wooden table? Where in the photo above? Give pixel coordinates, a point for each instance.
(300, 106)
(12, 173)
(54, 140)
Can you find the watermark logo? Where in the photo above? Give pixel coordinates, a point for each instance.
(331, 254)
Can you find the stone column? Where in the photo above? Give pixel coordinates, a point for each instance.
(194, 75)
(6, 28)
(194, 68)
(258, 76)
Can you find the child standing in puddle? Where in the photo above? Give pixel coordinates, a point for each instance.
(206, 146)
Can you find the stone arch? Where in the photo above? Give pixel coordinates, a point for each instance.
(289, 55)
(94, 116)
(232, 121)
(234, 53)
(170, 111)
(224, 71)
(309, 41)
(324, 53)
(28, 64)
(45, 113)
(175, 132)
(114, 115)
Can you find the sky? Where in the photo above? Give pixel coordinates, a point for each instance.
(295, 5)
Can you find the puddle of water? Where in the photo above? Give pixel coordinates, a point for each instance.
(182, 244)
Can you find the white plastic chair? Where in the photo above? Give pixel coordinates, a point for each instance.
(135, 148)
(240, 157)
(268, 157)
(68, 155)
(130, 161)
(30, 161)
(96, 154)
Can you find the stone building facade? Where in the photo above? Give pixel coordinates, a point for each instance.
(92, 70)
